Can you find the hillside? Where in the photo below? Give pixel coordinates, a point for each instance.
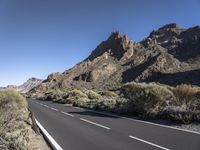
(111, 77)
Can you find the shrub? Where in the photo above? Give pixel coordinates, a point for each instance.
(108, 104)
(146, 99)
(54, 95)
(11, 96)
(179, 114)
(92, 95)
(109, 94)
(77, 94)
(185, 94)
(81, 102)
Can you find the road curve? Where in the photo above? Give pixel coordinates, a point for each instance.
(81, 129)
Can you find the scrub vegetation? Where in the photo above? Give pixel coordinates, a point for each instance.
(146, 101)
(16, 124)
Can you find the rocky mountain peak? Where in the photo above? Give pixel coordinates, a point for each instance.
(169, 26)
(116, 45)
(166, 36)
(114, 35)
(33, 79)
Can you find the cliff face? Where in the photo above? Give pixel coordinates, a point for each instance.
(167, 52)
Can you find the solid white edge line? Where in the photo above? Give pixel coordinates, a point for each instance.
(155, 145)
(94, 123)
(48, 136)
(164, 126)
(67, 113)
(146, 122)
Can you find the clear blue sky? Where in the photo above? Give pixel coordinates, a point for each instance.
(38, 37)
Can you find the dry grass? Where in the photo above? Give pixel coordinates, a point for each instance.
(11, 96)
(185, 94)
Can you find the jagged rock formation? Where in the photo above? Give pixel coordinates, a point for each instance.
(167, 52)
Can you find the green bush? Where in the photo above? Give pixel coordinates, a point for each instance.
(146, 99)
(11, 96)
(109, 94)
(81, 102)
(92, 95)
(77, 94)
(54, 95)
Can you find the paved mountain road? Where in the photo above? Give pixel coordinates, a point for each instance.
(81, 129)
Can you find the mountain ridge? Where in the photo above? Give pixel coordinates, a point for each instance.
(118, 60)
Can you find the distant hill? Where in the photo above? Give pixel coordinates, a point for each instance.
(25, 87)
(169, 55)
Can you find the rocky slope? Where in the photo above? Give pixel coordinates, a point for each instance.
(168, 55)
(29, 84)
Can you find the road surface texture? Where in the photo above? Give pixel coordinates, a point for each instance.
(82, 129)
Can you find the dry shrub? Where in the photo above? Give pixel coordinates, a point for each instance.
(10, 97)
(185, 94)
(146, 99)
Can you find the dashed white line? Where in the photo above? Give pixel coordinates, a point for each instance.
(67, 113)
(46, 106)
(54, 109)
(95, 124)
(155, 145)
(49, 137)
(141, 121)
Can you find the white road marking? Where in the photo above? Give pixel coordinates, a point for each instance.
(54, 109)
(49, 137)
(146, 122)
(67, 113)
(164, 126)
(46, 106)
(155, 145)
(95, 124)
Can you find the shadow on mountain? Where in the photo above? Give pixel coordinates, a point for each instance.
(132, 73)
(188, 77)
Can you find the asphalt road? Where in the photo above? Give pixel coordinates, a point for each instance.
(81, 129)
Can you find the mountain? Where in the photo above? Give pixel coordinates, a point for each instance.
(117, 76)
(29, 84)
(168, 55)
(25, 87)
